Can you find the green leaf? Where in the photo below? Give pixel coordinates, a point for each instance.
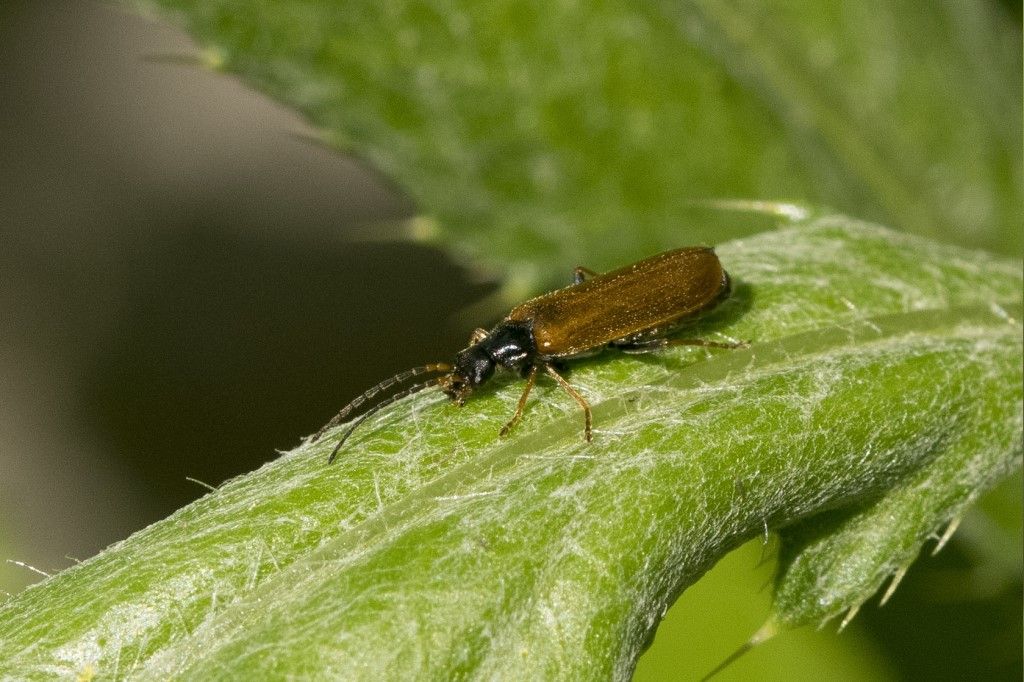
(537, 136)
(881, 394)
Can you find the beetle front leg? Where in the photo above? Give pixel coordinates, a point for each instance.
(531, 378)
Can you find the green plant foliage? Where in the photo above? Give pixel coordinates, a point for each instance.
(881, 394)
(533, 135)
(880, 397)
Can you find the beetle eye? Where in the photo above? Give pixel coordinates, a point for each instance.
(483, 368)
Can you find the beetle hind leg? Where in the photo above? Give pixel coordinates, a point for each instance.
(655, 345)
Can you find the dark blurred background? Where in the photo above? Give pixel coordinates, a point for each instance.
(188, 285)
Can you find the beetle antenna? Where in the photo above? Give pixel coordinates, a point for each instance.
(415, 388)
(382, 386)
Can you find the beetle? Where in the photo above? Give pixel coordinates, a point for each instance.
(633, 309)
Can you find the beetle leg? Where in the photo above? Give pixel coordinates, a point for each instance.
(530, 379)
(654, 345)
(477, 336)
(581, 273)
(576, 396)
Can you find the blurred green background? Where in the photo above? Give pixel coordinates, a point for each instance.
(170, 243)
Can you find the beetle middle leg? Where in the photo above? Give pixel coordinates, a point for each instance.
(587, 419)
(531, 378)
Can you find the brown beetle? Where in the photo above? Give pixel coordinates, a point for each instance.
(633, 309)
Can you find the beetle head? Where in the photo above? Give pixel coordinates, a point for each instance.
(473, 366)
